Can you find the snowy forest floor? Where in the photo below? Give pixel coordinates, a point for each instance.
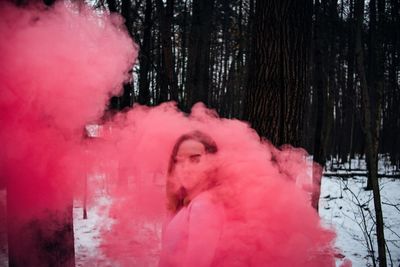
(349, 209)
(344, 205)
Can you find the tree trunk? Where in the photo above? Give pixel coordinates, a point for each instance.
(349, 100)
(184, 38)
(394, 70)
(38, 236)
(371, 135)
(321, 86)
(324, 105)
(128, 93)
(168, 75)
(277, 84)
(144, 57)
(197, 79)
(126, 100)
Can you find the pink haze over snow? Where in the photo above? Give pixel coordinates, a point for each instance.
(59, 66)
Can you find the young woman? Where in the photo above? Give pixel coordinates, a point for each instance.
(192, 233)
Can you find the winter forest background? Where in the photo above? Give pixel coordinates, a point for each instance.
(194, 51)
(210, 51)
(322, 74)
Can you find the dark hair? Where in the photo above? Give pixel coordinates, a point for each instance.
(176, 197)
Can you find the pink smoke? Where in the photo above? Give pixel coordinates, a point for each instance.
(59, 67)
(270, 220)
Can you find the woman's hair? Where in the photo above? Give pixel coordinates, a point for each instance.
(176, 198)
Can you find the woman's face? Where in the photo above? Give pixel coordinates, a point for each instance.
(191, 164)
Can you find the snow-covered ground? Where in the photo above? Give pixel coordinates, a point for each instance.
(344, 205)
(87, 233)
(349, 209)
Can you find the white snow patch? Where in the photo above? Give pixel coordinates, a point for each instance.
(348, 208)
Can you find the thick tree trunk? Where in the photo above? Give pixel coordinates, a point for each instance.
(38, 236)
(277, 84)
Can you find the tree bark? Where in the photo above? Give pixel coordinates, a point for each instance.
(45, 238)
(394, 70)
(144, 57)
(349, 100)
(322, 83)
(197, 79)
(371, 134)
(168, 75)
(128, 94)
(277, 84)
(324, 105)
(126, 99)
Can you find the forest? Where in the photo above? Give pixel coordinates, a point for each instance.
(287, 67)
(322, 75)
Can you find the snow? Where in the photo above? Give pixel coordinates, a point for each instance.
(349, 209)
(343, 204)
(87, 233)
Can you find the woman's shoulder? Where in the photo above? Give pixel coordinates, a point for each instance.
(206, 202)
(203, 199)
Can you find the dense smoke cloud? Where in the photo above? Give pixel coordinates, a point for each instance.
(58, 68)
(265, 191)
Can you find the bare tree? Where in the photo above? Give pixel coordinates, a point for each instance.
(168, 75)
(371, 133)
(197, 79)
(145, 56)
